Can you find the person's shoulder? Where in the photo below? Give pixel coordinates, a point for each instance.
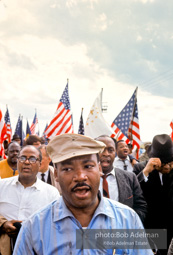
(43, 213)
(4, 161)
(141, 164)
(124, 173)
(45, 185)
(117, 206)
(8, 180)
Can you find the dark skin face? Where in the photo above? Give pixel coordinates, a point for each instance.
(108, 155)
(28, 171)
(122, 150)
(13, 153)
(79, 178)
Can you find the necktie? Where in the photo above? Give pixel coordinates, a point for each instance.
(42, 177)
(105, 187)
(125, 166)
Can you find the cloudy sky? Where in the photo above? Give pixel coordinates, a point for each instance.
(116, 45)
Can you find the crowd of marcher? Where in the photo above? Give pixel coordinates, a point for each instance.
(69, 196)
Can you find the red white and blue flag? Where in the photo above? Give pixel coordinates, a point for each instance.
(126, 124)
(34, 124)
(62, 121)
(8, 126)
(3, 132)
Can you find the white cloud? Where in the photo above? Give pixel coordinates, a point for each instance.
(112, 45)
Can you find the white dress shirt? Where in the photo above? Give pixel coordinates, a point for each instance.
(45, 176)
(112, 186)
(18, 203)
(119, 163)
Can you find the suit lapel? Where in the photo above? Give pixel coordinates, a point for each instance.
(121, 185)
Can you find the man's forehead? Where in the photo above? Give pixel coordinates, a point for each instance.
(13, 146)
(83, 158)
(107, 140)
(29, 149)
(122, 143)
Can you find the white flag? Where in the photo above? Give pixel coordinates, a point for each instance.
(96, 124)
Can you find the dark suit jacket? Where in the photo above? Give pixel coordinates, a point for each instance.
(130, 192)
(157, 197)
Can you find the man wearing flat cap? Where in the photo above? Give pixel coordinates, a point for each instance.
(154, 177)
(64, 226)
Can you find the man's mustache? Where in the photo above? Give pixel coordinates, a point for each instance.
(80, 184)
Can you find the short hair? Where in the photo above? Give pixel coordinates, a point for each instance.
(43, 147)
(15, 136)
(32, 139)
(114, 140)
(120, 141)
(13, 142)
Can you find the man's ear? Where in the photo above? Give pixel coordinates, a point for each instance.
(49, 160)
(56, 174)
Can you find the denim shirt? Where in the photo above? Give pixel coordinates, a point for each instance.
(52, 230)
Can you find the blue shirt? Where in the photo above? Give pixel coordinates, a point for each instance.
(52, 230)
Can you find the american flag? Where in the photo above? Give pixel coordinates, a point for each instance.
(19, 129)
(8, 125)
(126, 124)
(34, 124)
(3, 131)
(62, 120)
(81, 124)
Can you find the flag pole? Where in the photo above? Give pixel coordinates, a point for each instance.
(133, 112)
(101, 98)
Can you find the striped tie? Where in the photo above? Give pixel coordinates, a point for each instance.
(105, 187)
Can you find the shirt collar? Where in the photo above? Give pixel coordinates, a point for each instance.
(61, 211)
(36, 184)
(119, 159)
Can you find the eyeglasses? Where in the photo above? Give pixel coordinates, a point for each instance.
(32, 159)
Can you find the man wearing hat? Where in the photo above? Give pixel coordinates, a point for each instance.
(154, 178)
(64, 226)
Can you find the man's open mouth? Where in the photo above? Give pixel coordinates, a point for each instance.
(81, 192)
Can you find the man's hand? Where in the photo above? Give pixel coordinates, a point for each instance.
(9, 228)
(152, 164)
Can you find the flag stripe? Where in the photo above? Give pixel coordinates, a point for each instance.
(34, 124)
(62, 120)
(127, 121)
(8, 126)
(3, 131)
(56, 126)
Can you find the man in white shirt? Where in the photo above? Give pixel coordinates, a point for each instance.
(122, 160)
(22, 195)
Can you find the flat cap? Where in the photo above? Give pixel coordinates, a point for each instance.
(67, 146)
